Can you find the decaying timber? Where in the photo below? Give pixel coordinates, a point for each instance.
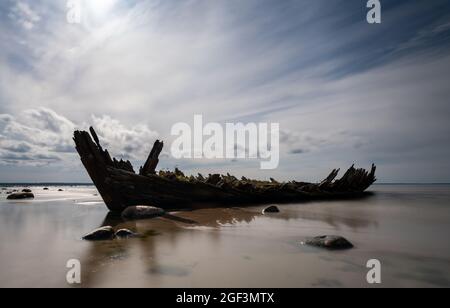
(120, 187)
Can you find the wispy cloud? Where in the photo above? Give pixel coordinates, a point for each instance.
(341, 89)
(24, 15)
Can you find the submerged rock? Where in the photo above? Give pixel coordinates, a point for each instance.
(271, 209)
(125, 233)
(18, 196)
(329, 242)
(26, 190)
(142, 212)
(100, 234)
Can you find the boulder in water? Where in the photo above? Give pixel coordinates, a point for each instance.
(271, 209)
(330, 242)
(100, 234)
(20, 196)
(142, 212)
(125, 233)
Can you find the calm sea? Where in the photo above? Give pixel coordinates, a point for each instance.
(405, 227)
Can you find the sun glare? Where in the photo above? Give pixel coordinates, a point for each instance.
(101, 7)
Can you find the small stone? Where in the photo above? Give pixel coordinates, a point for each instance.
(142, 212)
(60, 190)
(19, 196)
(330, 242)
(45, 188)
(271, 209)
(100, 234)
(125, 233)
(26, 190)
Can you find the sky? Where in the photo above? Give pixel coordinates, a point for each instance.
(344, 91)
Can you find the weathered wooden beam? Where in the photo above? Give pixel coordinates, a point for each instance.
(152, 160)
(325, 183)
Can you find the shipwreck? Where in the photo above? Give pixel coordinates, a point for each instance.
(120, 186)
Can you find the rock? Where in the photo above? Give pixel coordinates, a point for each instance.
(60, 190)
(45, 188)
(101, 234)
(271, 209)
(330, 242)
(125, 233)
(26, 190)
(18, 196)
(142, 212)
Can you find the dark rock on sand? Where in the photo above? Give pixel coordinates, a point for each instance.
(271, 209)
(142, 212)
(329, 242)
(26, 190)
(45, 188)
(60, 190)
(18, 196)
(125, 233)
(104, 233)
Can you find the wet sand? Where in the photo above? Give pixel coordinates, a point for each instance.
(405, 227)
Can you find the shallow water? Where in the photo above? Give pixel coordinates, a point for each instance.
(406, 227)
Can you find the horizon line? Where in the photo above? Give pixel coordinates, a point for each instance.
(91, 183)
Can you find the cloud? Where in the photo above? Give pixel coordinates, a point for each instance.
(24, 15)
(133, 142)
(41, 136)
(40, 127)
(21, 147)
(303, 142)
(36, 159)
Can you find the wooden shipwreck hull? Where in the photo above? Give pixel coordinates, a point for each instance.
(120, 186)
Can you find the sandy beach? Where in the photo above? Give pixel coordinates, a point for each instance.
(403, 226)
